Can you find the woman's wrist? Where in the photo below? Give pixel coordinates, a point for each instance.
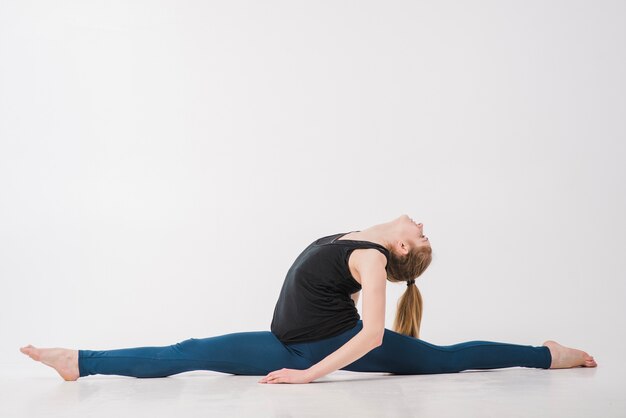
(313, 373)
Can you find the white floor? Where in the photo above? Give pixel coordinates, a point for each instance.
(34, 390)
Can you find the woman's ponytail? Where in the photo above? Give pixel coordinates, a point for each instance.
(409, 312)
(410, 306)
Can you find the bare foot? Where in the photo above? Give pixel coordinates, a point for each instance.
(564, 357)
(63, 360)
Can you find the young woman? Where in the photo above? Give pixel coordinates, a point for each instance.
(316, 328)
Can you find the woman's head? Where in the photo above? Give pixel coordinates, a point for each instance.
(405, 235)
(410, 255)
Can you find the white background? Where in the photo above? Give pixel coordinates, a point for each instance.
(163, 163)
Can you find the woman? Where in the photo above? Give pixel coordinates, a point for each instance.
(316, 328)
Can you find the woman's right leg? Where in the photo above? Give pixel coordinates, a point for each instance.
(242, 353)
(401, 354)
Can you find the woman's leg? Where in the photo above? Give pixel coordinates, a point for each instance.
(243, 353)
(401, 354)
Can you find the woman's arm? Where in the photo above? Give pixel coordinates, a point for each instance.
(359, 345)
(370, 264)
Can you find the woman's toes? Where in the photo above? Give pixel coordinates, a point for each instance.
(31, 351)
(565, 357)
(64, 361)
(590, 363)
(589, 360)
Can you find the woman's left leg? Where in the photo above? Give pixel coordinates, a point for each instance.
(243, 353)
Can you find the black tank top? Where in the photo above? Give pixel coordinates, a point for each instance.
(314, 301)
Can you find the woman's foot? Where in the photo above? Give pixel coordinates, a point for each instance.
(564, 357)
(63, 360)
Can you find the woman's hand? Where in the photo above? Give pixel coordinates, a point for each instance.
(287, 376)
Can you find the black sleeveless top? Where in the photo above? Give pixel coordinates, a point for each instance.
(314, 301)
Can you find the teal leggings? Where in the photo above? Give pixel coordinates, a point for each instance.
(259, 352)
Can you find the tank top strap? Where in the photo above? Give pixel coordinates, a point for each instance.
(354, 244)
(368, 244)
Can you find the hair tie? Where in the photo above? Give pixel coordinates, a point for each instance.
(410, 282)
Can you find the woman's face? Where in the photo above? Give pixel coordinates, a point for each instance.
(412, 232)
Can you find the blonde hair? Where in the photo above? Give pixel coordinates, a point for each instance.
(402, 269)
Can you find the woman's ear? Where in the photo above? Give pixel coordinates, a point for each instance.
(402, 248)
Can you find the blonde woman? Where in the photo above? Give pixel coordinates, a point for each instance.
(316, 328)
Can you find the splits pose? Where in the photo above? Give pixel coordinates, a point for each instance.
(316, 328)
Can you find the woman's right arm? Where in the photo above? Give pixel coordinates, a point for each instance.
(370, 264)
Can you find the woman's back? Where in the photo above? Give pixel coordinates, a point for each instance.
(314, 302)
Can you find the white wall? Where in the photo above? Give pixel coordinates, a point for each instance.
(162, 164)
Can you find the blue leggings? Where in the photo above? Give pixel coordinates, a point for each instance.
(259, 352)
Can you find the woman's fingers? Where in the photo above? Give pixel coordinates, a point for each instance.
(272, 377)
(268, 378)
